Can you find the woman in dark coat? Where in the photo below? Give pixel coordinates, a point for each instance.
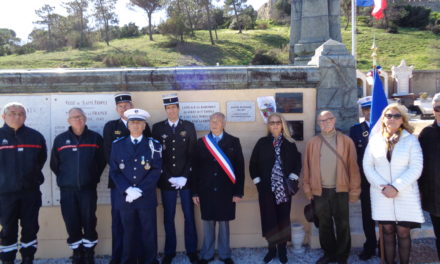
(274, 161)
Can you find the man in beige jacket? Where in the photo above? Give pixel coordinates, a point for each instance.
(331, 178)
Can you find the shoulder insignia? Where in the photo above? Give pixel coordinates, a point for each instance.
(154, 140)
(118, 139)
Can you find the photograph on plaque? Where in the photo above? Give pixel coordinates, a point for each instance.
(289, 102)
(296, 129)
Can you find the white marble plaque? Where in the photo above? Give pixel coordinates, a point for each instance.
(198, 113)
(240, 111)
(38, 114)
(99, 109)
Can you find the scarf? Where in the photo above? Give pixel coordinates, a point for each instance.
(391, 140)
(277, 177)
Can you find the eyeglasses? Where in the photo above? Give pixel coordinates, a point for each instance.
(395, 116)
(273, 123)
(326, 120)
(437, 109)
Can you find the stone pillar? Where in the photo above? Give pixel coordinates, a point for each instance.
(312, 23)
(402, 74)
(337, 89)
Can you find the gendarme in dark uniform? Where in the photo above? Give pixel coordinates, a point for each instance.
(135, 165)
(22, 156)
(178, 138)
(359, 133)
(113, 130)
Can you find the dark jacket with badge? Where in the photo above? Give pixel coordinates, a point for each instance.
(359, 133)
(263, 159)
(211, 184)
(177, 150)
(429, 182)
(22, 157)
(78, 162)
(136, 166)
(113, 130)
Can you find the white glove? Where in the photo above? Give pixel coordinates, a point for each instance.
(293, 176)
(177, 182)
(133, 193)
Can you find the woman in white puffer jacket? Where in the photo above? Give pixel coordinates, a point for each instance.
(393, 162)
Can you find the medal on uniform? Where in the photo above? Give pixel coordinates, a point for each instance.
(143, 160)
(5, 141)
(122, 165)
(147, 166)
(365, 133)
(164, 136)
(118, 132)
(183, 133)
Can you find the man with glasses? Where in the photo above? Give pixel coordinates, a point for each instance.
(78, 161)
(331, 178)
(360, 133)
(429, 182)
(22, 156)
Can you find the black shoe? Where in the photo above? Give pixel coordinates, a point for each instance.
(205, 261)
(7, 262)
(167, 259)
(227, 261)
(366, 255)
(193, 258)
(342, 262)
(282, 253)
(27, 260)
(270, 255)
(324, 260)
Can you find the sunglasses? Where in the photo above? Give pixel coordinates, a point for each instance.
(395, 116)
(437, 109)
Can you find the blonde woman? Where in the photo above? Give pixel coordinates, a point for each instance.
(392, 163)
(275, 160)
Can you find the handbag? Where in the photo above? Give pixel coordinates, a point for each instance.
(309, 213)
(291, 186)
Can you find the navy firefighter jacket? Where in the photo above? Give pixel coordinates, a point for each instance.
(22, 157)
(136, 166)
(78, 161)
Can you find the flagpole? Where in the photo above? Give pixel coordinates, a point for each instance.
(353, 29)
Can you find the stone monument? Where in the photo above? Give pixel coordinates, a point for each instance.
(313, 22)
(402, 74)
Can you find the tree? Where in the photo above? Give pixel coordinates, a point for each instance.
(346, 9)
(105, 16)
(77, 9)
(236, 6)
(8, 41)
(207, 5)
(47, 17)
(148, 6)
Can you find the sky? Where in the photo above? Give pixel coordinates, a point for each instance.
(19, 15)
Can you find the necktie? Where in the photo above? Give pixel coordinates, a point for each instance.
(135, 141)
(217, 139)
(173, 127)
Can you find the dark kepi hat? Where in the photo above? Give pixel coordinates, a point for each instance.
(122, 97)
(170, 99)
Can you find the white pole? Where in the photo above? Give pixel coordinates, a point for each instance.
(353, 29)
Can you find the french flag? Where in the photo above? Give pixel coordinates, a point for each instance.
(379, 7)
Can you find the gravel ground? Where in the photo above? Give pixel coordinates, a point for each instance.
(423, 251)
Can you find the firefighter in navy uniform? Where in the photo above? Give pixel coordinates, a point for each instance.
(178, 139)
(78, 161)
(135, 165)
(22, 156)
(113, 130)
(359, 133)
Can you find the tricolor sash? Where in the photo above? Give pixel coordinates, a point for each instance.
(220, 156)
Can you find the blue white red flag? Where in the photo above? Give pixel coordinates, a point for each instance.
(364, 2)
(220, 156)
(378, 103)
(379, 7)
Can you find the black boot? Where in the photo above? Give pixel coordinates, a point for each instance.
(27, 260)
(7, 262)
(77, 257)
(89, 255)
(271, 253)
(282, 252)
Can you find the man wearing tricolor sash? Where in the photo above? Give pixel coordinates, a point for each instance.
(217, 185)
(22, 156)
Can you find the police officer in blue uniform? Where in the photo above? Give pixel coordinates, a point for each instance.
(22, 156)
(178, 139)
(135, 166)
(359, 133)
(78, 161)
(113, 130)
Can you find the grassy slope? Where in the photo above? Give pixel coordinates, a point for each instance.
(417, 47)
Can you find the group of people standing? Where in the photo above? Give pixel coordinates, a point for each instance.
(383, 169)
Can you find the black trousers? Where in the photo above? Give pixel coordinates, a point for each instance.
(14, 207)
(78, 208)
(368, 223)
(275, 219)
(331, 208)
(436, 225)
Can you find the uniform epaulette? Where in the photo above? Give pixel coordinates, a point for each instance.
(118, 139)
(154, 140)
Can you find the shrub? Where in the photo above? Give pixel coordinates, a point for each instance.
(393, 29)
(129, 30)
(262, 24)
(436, 29)
(417, 17)
(260, 58)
